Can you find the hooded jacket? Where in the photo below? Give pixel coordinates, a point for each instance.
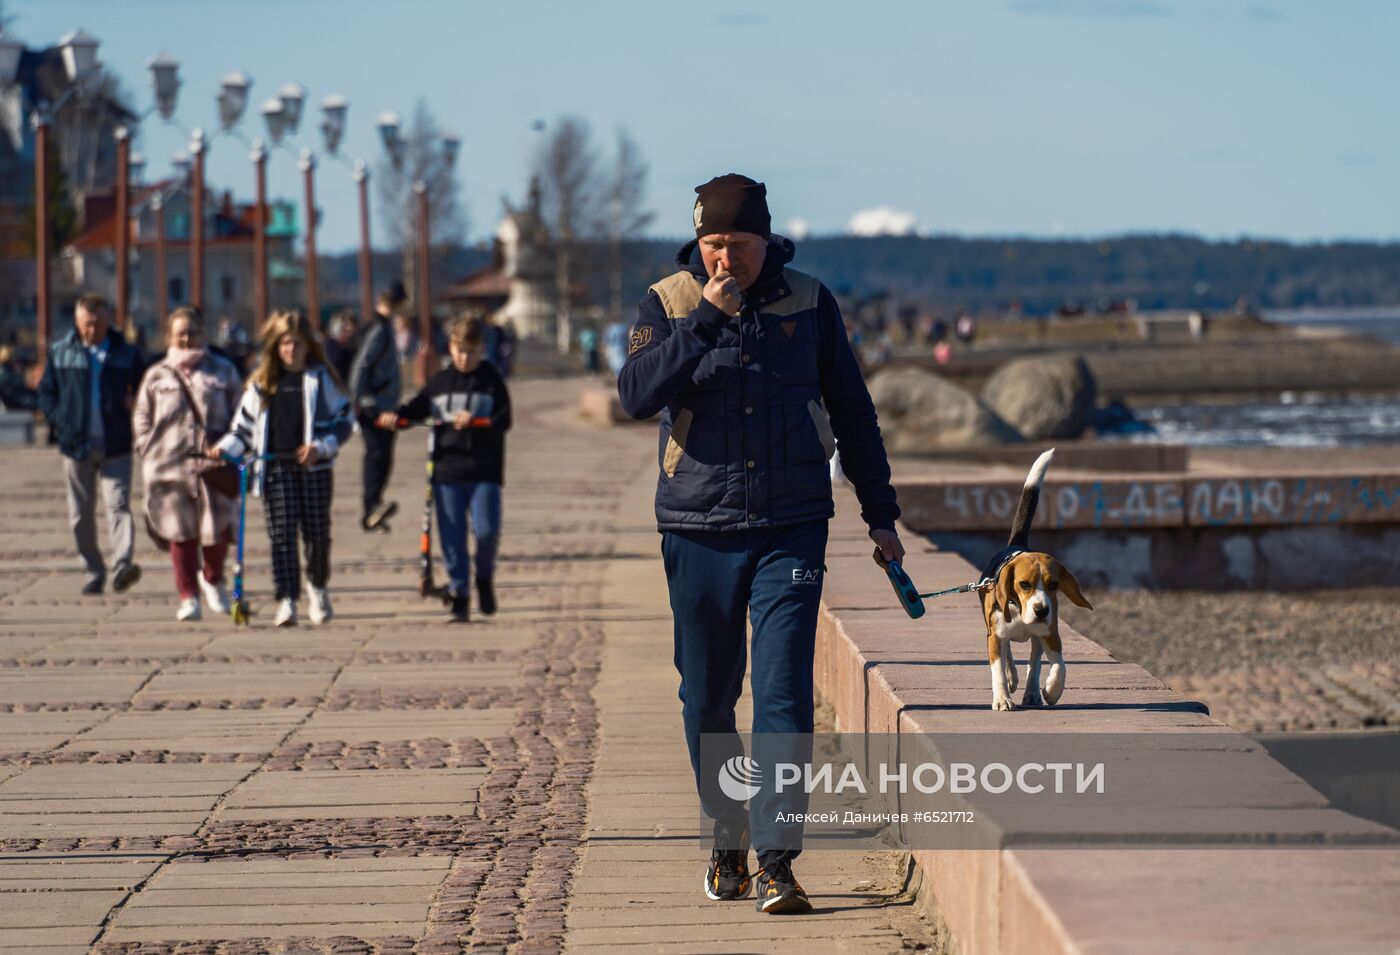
(753, 407)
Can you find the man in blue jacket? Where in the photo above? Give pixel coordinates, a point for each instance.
(748, 364)
(87, 393)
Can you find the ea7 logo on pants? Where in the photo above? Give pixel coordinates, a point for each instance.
(800, 576)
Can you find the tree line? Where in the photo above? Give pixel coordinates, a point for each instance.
(1155, 271)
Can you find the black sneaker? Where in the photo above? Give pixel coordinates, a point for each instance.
(126, 578)
(461, 606)
(486, 593)
(727, 878)
(93, 587)
(778, 891)
(375, 519)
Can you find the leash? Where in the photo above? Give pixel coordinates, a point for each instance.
(978, 586)
(913, 601)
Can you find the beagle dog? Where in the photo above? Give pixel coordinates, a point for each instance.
(1020, 602)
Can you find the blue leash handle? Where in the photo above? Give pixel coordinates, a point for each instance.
(909, 597)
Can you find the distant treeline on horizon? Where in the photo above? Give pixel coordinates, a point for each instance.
(1040, 275)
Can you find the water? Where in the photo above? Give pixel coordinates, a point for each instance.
(1298, 420)
(1382, 323)
(1301, 421)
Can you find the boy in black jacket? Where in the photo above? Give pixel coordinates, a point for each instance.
(470, 408)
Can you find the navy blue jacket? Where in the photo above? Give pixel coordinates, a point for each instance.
(66, 399)
(753, 407)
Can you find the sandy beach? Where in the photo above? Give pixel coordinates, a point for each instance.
(1263, 662)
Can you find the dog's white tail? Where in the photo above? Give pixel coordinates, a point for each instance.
(1030, 497)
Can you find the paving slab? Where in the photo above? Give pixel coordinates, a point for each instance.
(94, 799)
(62, 872)
(37, 732)
(345, 794)
(193, 731)
(56, 687)
(359, 676)
(353, 727)
(207, 681)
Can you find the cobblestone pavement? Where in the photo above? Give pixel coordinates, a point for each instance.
(389, 782)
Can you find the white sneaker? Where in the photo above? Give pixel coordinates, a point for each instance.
(286, 613)
(189, 609)
(215, 596)
(320, 604)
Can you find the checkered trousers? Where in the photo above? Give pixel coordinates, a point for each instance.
(295, 498)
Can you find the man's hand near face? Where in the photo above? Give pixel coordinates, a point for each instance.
(723, 292)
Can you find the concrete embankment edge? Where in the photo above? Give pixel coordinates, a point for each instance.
(1324, 887)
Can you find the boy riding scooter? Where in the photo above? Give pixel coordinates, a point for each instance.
(470, 406)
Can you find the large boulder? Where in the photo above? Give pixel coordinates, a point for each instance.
(1043, 397)
(920, 411)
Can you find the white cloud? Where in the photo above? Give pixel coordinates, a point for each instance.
(798, 228)
(882, 220)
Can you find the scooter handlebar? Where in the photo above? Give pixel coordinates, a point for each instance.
(476, 422)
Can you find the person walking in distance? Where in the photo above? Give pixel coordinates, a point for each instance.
(87, 393)
(186, 403)
(748, 364)
(340, 343)
(293, 419)
(376, 387)
(469, 405)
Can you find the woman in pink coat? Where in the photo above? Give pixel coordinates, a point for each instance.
(185, 404)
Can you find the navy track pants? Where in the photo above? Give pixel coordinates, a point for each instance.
(717, 579)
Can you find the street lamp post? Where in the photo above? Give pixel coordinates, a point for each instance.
(260, 303)
(162, 279)
(123, 235)
(41, 237)
(196, 224)
(361, 177)
(334, 108)
(283, 113)
(427, 356)
(389, 124)
(165, 79)
(313, 289)
(79, 61)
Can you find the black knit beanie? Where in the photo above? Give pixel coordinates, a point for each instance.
(732, 203)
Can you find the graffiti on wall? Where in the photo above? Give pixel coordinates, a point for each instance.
(1200, 502)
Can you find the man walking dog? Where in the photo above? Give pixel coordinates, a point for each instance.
(748, 364)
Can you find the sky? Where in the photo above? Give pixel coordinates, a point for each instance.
(1223, 118)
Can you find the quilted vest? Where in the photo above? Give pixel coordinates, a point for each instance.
(746, 442)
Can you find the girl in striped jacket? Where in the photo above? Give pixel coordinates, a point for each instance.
(292, 420)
